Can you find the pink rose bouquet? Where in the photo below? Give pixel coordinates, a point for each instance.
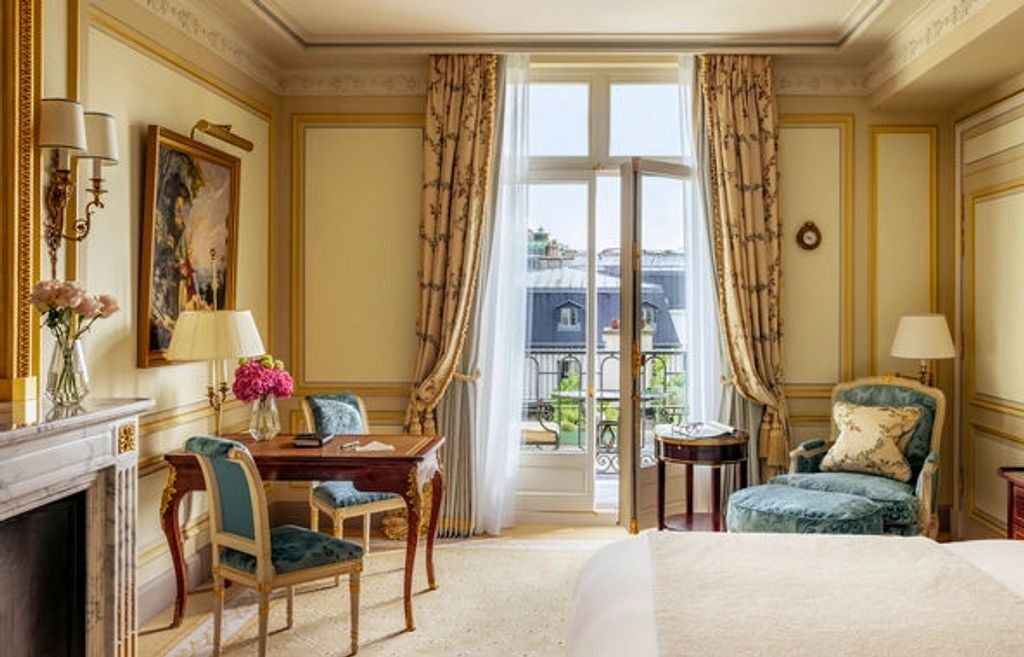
(256, 378)
(68, 311)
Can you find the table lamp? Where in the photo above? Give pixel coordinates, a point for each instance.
(215, 335)
(923, 338)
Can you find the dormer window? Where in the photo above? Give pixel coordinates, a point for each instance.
(569, 317)
(648, 311)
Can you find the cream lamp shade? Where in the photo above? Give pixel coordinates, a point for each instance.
(61, 125)
(214, 335)
(101, 137)
(922, 337)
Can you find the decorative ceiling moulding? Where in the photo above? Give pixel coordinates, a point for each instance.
(201, 26)
(356, 83)
(819, 80)
(856, 19)
(919, 34)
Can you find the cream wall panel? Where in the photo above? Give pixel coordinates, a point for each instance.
(55, 49)
(993, 141)
(904, 186)
(998, 296)
(990, 452)
(138, 90)
(811, 189)
(144, 92)
(361, 217)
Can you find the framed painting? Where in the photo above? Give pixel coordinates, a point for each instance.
(189, 236)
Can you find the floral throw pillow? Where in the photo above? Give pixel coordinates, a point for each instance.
(869, 438)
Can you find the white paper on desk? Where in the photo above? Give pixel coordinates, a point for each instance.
(375, 446)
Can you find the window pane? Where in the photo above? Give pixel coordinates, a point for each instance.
(554, 404)
(645, 120)
(559, 119)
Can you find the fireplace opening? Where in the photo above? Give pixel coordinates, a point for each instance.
(43, 581)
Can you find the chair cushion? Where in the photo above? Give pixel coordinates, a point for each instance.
(294, 548)
(786, 509)
(897, 499)
(869, 438)
(338, 413)
(341, 494)
(919, 446)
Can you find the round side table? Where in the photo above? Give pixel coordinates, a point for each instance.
(715, 452)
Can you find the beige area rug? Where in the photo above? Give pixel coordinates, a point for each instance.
(502, 597)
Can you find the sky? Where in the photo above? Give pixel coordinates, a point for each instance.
(644, 121)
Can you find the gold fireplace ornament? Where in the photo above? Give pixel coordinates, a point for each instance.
(75, 135)
(221, 131)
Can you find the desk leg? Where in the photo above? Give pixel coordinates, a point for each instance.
(716, 498)
(172, 530)
(412, 507)
(742, 467)
(689, 494)
(436, 492)
(661, 495)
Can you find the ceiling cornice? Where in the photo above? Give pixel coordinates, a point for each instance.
(356, 83)
(918, 35)
(203, 27)
(819, 80)
(859, 16)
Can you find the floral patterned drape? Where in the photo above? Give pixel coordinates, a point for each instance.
(742, 132)
(458, 140)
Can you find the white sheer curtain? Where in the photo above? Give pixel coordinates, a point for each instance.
(503, 319)
(704, 371)
(703, 366)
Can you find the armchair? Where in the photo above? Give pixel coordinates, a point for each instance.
(907, 508)
(246, 551)
(809, 500)
(342, 413)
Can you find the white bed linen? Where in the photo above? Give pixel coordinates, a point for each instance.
(613, 605)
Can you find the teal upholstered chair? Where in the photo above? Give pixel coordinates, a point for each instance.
(906, 508)
(343, 413)
(247, 551)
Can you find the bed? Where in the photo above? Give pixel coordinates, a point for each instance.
(665, 594)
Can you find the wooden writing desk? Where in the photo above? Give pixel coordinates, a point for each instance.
(403, 471)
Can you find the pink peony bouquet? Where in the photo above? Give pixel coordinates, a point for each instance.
(255, 378)
(67, 310)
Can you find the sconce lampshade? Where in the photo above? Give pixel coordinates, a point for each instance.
(214, 335)
(61, 124)
(101, 136)
(922, 337)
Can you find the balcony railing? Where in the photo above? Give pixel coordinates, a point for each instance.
(554, 406)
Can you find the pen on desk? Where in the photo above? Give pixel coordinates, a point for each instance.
(351, 445)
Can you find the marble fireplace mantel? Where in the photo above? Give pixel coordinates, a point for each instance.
(92, 448)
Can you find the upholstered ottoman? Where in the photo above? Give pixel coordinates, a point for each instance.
(789, 510)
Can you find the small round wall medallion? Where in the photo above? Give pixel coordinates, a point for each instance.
(808, 237)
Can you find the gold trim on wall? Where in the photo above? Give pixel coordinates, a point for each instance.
(971, 393)
(933, 292)
(845, 122)
(299, 123)
(981, 516)
(19, 217)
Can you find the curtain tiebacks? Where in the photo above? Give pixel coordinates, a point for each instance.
(468, 378)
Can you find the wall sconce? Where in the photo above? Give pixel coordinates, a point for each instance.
(74, 134)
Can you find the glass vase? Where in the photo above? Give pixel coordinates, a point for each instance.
(67, 380)
(264, 423)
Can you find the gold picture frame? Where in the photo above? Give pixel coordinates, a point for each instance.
(189, 236)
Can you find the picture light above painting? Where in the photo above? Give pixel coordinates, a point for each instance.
(189, 236)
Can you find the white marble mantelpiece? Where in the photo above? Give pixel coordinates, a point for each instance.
(92, 448)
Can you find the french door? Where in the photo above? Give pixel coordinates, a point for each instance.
(654, 196)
